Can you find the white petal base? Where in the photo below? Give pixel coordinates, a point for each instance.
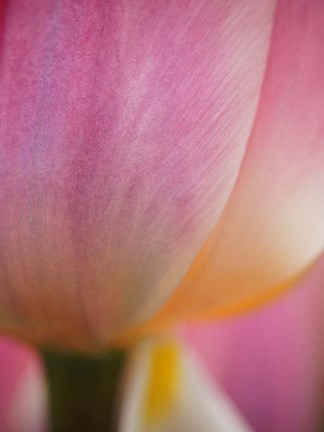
(166, 390)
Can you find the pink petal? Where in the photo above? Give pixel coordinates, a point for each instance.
(22, 391)
(125, 125)
(272, 228)
(271, 362)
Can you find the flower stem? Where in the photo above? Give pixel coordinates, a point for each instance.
(83, 390)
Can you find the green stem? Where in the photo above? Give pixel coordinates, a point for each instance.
(82, 391)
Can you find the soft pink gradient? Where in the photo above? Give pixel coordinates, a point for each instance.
(271, 362)
(272, 227)
(125, 126)
(22, 392)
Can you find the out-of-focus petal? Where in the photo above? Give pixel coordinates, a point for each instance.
(272, 228)
(271, 362)
(167, 391)
(22, 390)
(123, 128)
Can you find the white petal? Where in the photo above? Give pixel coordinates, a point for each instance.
(166, 390)
(28, 408)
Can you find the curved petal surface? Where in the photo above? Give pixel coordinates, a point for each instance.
(272, 228)
(123, 125)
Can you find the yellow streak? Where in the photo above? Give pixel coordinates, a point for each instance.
(163, 381)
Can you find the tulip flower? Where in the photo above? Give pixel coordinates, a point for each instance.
(271, 362)
(159, 162)
(120, 148)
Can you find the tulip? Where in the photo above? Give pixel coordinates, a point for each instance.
(123, 130)
(160, 162)
(271, 362)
